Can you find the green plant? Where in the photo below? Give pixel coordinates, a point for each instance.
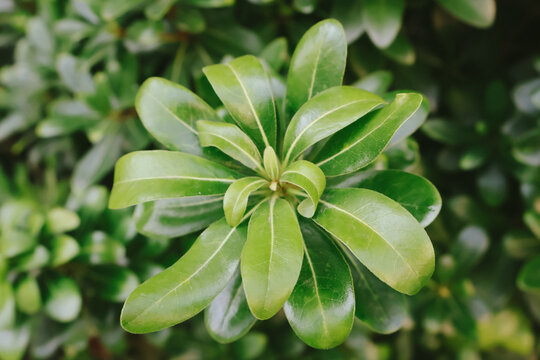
(306, 147)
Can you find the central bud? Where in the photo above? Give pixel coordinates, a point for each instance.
(272, 167)
(274, 185)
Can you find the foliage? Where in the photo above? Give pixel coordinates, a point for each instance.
(83, 82)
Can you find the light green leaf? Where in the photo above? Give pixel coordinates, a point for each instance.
(529, 277)
(187, 287)
(325, 114)
(356, 146)
(60, 220)
(228, 317)
(210, 3)
(63, 301)
(14, 341)
(318, 63)
(309, 178)
(114, 282)
(152, 175)
(380, 307)
(382, 19)
(384, 236)
(28, 295)
(232, 141)
(413, 192)
(237, 195)
(63, 248)
(169, 112)
(272, 257)
(321, 306)
(376, 82)
(7, 305)
(479, 13)
(275, 54)
(271, 163)
(74, 74)
(37, 258)
(244, 88)
(170, 218)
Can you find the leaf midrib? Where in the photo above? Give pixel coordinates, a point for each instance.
(176, 177)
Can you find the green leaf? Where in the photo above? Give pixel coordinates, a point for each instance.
(382, 19)
(271, 163)
(479, 13)
(232, 141)
(169, 112)
(413, 192)
(305, 6)
(376, 82)
(325, 114)
(321, 306)
(237, 195)
(380, 307)
(309, 178)
(413, 123)
(228, 317)
(358, 145)
(401, 50)
(37, 258)
(61, 220)
(275, 54)
(318, 63)
(7, 305)
(14, 341)
(170, 218)
(63, 301)
(529, 277)
(152, 175)
(384, 236)
(244, 88)
(28, 295)
(210, 3)
(272, 257)
(188, 286)
(63, 248)
(74, 74)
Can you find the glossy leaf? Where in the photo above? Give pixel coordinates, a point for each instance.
(309, 178)
(232, 141)
(170, 218)
(63, 302)
(272, 257)
(413, 192)
(321, 306)
(318, 63)
(479, 13)
(152, 175)
(324, 115)
(237, 195)
(384, 236)
(380, 307)
(271, 163)
(359, 144)
(169, 112)
(382, 19)
(228, 317)
(244, 88)
(529, 276)
(187, 287)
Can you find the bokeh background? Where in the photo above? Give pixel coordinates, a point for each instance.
(69, 73)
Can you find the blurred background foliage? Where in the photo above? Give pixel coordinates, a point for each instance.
(69, 73)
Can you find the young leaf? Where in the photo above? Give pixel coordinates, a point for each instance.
(479, 13)
(275, 53)
(356, 146)
(325, 114)
(272, 257)
(232, 141)
(309, 178)
(321, 306)
(236, 198)
(384, 236)
(379, 306)
(151, 175)
(318, 63)
(170, 218)
(271, 163)
(188, 286)
(169, 112)
(244, 88)
(228, 317)
(382, 20)
(413, 192)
